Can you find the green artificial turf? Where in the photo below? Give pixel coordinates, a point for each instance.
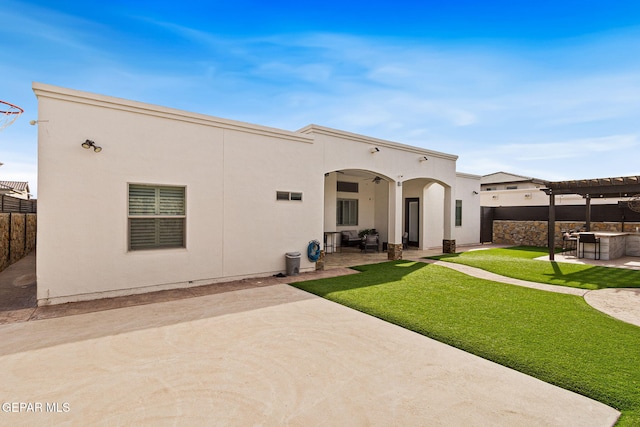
(518, 262)
(555, 337)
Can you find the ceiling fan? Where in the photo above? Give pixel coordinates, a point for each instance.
(375, 180)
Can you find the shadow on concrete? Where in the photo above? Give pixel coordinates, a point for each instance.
(18, 288)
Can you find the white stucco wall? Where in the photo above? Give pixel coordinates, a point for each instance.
(382, 211)
(533, 197)
(467, 189)
(366, 203)
(433, 218)
(231, 171)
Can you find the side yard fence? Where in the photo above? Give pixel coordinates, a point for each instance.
(13, 204)
(17, 237)
(18, 224)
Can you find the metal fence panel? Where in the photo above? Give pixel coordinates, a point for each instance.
(12, 204)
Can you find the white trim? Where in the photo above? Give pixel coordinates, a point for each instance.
(49, 91)
(321, 130)
(467, 175)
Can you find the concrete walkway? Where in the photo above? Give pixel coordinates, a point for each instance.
(483, 274)
(621, 303)
(18, 290)
(273, 356)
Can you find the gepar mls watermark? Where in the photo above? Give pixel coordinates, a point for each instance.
(50, 407)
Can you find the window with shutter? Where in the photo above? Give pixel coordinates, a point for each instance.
(347, 212)
(156, 217)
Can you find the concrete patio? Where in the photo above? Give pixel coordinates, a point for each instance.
(271, 355)
(257, 351)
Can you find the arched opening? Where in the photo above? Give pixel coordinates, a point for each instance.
(355, 201)
(425, 210)
(412, 214)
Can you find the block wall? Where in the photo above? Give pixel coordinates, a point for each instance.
(17, 237)
(535, 233)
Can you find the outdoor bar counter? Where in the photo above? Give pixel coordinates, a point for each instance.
(612, 245)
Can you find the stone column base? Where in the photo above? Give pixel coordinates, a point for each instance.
(394, 251)
(449, 246)
(320, 261)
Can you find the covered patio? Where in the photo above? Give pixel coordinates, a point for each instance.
(407, 196)
(400, 213)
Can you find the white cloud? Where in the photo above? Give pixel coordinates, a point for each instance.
(573, 149)
(500, 107)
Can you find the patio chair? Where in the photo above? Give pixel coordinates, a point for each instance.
(569, 243)
(370, 241)
(589, 238)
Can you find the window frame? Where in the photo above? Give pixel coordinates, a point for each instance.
(157, 216)
(458, 219)
(284, 196)
(340, 212)
(347, 187)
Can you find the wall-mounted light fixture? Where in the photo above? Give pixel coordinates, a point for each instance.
(423, 159)
(88, 144)
(474, 192)
(374, 150)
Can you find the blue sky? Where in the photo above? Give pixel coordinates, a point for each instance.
(549, 89)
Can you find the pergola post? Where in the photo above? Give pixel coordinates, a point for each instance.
(588, 212)
(552, 225)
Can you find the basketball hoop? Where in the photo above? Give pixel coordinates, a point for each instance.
(8, 114)
(634, 203)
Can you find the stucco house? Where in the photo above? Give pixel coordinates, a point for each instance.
(508, 189)
(17, 189)
(136, 197)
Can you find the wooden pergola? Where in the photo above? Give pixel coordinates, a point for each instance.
(589, 189)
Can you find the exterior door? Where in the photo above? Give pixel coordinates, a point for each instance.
(412, 220)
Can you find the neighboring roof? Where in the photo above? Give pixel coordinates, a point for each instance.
(15, 185)
(625, 186)
(506, 177)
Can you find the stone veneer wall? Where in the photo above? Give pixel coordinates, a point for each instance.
(394, 251)
(17, 237)
(535, 233)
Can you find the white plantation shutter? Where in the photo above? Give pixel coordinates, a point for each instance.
(142, 200)
(156, 217)
(171, 200)
(347, 212)
(170, 232)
